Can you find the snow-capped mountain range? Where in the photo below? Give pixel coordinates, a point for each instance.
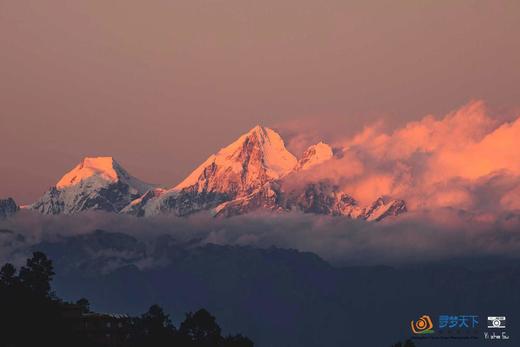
(252, 173)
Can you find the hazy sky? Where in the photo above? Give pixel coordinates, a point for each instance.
(162, 84)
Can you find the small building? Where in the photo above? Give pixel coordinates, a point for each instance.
(104, 329)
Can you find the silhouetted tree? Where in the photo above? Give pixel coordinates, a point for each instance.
(37, 274)
(200, 329)
(154, 328)
(31, 316)
(8, 276)
(155, 318)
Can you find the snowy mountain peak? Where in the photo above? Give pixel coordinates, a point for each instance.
(256, 156)
(276, 158)
(97, 183)
(258, 129)
(263, 147)
(314, 155)
(237, 170)
(105, 168)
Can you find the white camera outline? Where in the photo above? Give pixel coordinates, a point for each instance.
(493, 319)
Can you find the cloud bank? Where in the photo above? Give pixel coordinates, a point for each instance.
(465, 160)
(412, 238)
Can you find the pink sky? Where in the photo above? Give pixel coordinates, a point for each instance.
(161, 84)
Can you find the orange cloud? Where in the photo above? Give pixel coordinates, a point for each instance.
(449, 161)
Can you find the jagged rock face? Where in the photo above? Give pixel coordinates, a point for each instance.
(50, 203)
(189, 200)
(180, 203)
(95, 184)
(384, 207)
(313, 198)
(325, 199)
(136, 207)
(322, 198)
(111, 198)
(267, 198)
(317, 198)
(8, 207)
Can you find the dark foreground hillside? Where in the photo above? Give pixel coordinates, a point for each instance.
(281, 297)
(32, 315)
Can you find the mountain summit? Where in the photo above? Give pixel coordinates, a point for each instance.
(249, 162)
(97, 183)
(103, 168)
(255, 158)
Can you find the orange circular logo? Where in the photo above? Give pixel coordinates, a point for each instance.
(423, 325)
